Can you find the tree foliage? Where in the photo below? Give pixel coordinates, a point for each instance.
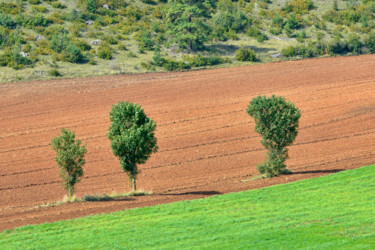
(132, 137)
(277, 120)
(186, 22)
(69, 158)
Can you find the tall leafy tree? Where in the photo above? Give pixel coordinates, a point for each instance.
(70, 158)
(132, 137)
(230, 16)
(277, 121)
(186, 22)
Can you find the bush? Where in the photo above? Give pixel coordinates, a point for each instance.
(289, 51)
(58, 5)
(55, 73)
(199, 61)
(172, 65)
(245, 54)
(82, 45)
(7, 21)
(104, 51)
(10, 8)
(34, 1)
(261, 38)
(73, 54)
(32, 21)
(14, 59)
(59, 42)
(370, 43)
(37, 8)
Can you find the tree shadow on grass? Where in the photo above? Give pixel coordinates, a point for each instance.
(327, 171)
(195, 193)
(106, 199)
(230, 49)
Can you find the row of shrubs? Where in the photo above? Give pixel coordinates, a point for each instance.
(336, 46)
(242, 54)
(188, 62)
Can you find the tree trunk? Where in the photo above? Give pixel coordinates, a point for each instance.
(70, 190)
(134, 183)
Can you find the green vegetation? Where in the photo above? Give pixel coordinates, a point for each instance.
(245, 54)
(277, 121)
(69, 158)
(119, 36)
(132, 137)
(330, 212)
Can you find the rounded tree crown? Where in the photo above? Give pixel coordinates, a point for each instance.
(276, 119)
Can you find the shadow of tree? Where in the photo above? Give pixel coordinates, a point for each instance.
(196, 193)
(327, 171)
(230, 49)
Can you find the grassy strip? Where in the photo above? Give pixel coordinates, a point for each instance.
(322, 213)
(93, 198)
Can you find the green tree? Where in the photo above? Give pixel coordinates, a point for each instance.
(73, 54)
(69, 158)
(59, 42)
(186, 22)
(230, 16)
(277, 120)
(132, 137)
(91, 6)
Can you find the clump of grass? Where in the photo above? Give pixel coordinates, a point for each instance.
(66, 199)
(72, 199)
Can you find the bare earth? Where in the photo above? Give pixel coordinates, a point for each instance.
(207, 143)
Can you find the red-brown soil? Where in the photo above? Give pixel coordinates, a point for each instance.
(207, 143)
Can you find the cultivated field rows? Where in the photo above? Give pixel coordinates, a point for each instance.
(207, 143)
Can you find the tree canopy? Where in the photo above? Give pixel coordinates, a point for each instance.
(69, 158)
(277, 120)
(132, 137)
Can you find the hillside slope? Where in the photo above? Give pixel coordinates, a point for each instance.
(43, 39)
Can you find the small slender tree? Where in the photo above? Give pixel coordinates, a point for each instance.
(277, 120)
(69, 158)
(132, 137)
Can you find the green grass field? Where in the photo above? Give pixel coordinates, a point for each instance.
(331, 212)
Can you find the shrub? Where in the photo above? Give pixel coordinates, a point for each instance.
(59, 42)
(131, 54)
(370, 42)
(34, 1)
(245, 54)
(10, 8)
(14, 59)
(277, 121)
(7, 21)
(122, 46)
(55, 73)
(261, 38)
(83, 45)
(58, 5)
(289, 51)
(104, 51)
(73, 54)
(32, 21)
(37, 8)
(172, 65)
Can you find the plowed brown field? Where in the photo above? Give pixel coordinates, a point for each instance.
(207, 142)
